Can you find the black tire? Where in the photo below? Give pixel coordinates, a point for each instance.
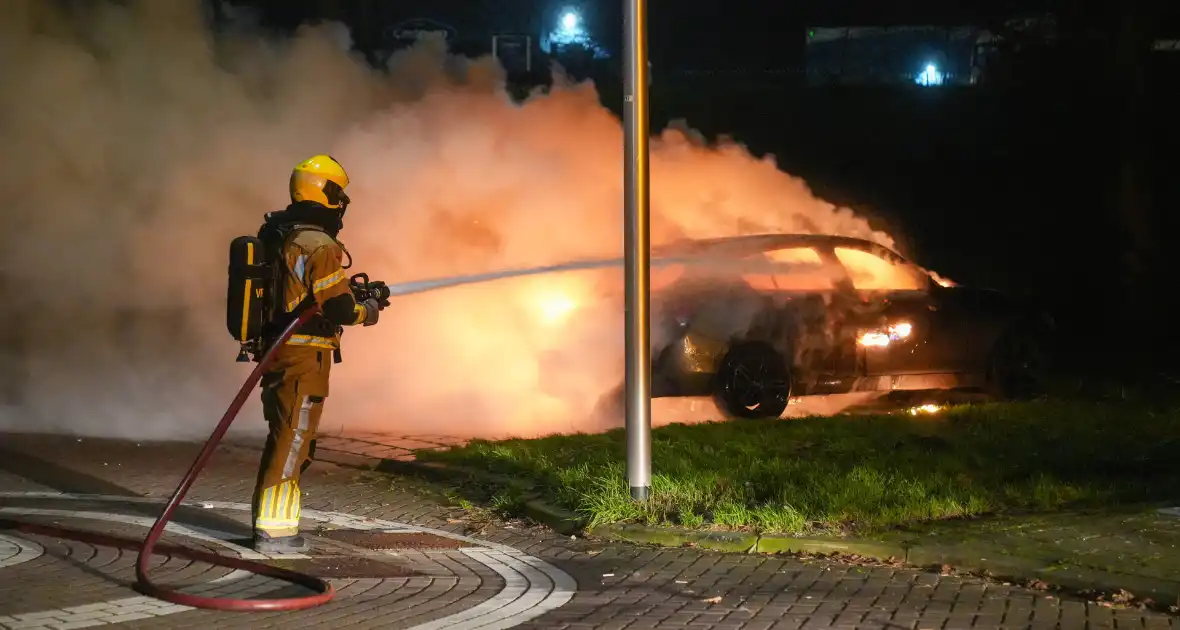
(1020, 362)
(753, 382)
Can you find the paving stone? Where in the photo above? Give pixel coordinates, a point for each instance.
(758, 592)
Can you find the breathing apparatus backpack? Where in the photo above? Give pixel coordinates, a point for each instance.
(257, 271)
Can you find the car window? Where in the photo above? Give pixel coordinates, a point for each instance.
(870, 272)
(805, 255)
(791, 269)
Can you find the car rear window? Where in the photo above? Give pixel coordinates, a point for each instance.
(870, 272)
(790, 269)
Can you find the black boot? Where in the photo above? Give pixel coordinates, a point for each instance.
(264, 543)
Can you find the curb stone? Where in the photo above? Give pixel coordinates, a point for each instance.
(557, 519)
(774, 543)
(732, 542)
(967, 557)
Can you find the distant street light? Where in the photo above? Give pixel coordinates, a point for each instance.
(569, 22)
(930, 76)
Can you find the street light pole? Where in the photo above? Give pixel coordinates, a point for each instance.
(637, 251)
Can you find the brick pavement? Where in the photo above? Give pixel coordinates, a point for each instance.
(617, 585)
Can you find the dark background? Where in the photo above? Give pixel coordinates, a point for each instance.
(1051, 178)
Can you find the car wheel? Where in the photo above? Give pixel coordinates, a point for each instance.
(1020, 363)
(753, 381)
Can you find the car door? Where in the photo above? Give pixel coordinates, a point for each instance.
(802, 282)
(901, 329)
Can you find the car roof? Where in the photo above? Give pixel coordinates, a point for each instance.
(757, 243)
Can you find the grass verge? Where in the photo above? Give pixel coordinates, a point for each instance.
(856, 474)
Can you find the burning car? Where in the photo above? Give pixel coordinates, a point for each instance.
(757, 320)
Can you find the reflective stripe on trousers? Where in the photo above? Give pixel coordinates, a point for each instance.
(293, 396)
(293, 459)
(280, 506)
(279, 509)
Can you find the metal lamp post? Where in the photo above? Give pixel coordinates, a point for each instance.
(637, 250)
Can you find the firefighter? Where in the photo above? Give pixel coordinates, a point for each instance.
(295, 387)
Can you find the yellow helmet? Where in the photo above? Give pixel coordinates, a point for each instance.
(320, 179)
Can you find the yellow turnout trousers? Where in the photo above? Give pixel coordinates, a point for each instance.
(293, 394)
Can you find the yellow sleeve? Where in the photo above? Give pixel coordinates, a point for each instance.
(325, 274)
(328, 282)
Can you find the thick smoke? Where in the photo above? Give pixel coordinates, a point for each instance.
(136, 148)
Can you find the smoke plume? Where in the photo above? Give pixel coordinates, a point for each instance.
(137, 147)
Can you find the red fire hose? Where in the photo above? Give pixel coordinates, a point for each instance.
(144, 585)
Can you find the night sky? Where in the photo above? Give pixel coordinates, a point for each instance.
(747, 33)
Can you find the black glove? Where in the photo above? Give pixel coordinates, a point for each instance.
(371, 311)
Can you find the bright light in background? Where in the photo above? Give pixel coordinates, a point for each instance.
(570, 30)
(930, 76)
(569, 22)
(555, 308)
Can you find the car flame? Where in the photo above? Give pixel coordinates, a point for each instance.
(882, 338)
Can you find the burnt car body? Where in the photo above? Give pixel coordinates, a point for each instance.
(757, 320)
